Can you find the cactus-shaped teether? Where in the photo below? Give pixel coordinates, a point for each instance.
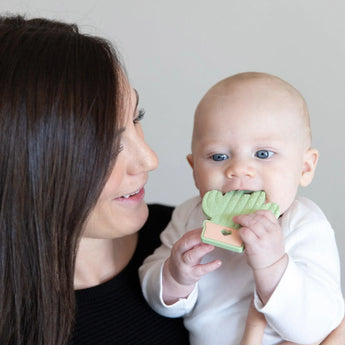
(220, 230)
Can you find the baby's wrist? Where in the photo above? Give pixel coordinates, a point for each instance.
(264, 266)
(268, 278)
(172, 289)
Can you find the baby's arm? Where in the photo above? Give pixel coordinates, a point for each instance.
(305, 284)
(173, 285)
(265, 250)
(183, 269)
(337, 337)
(255, 327)
(256, 323)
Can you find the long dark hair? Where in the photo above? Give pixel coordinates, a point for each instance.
(60, 105)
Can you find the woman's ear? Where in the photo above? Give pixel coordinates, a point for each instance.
(311, 157)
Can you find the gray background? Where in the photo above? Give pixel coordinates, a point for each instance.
(175, 50)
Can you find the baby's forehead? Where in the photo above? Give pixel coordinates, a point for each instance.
(248, 99)
(236, 95)
(252, 85)
(261, 89)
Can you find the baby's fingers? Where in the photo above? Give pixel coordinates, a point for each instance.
(193, 256)
(202, 269)
(185, 267)
(260, 222)
(188, 241)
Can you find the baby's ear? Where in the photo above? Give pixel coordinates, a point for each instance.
(191, 163)
(311, 157)
(190, 160)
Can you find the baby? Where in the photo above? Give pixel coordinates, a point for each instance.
(251, 132)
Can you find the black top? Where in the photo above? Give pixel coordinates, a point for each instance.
(116, 313)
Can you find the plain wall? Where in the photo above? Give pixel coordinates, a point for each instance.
(175, 50)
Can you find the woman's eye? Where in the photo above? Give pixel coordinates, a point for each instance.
(263, 154)
(219, 157)
(141, 114)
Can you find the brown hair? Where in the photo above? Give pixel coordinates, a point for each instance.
(60, 102)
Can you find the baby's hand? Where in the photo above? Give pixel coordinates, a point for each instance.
(183, 268)
(264, 243)
(263, 238)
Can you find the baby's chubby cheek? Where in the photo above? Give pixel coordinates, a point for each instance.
(284, 201)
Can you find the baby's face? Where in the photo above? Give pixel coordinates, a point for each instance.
(247, 140)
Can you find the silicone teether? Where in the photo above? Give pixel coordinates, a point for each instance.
(220, 230)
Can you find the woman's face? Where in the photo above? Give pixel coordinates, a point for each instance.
(121, 209)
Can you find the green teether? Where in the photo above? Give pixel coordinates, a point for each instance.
(220, 230)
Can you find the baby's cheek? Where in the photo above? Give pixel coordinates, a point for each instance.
(206, 184)
(284, 200)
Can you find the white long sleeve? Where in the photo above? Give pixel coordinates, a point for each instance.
(306, 305)
(151, 271)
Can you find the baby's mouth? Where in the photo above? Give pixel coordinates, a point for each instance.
(244, 191)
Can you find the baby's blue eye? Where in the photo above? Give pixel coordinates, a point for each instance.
(263, 154)
(219, 157)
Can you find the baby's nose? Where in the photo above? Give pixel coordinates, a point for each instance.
(239, 169)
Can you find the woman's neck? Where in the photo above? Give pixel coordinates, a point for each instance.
(99, 260)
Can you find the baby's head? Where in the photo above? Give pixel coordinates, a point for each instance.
(252, 132)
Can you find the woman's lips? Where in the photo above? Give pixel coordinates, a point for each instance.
(133, 197)
(129, 195)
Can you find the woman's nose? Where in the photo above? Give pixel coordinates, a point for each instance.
(151, 158)
(239, 169)
(144, 159)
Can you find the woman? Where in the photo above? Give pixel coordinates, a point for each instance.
(73, 168)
